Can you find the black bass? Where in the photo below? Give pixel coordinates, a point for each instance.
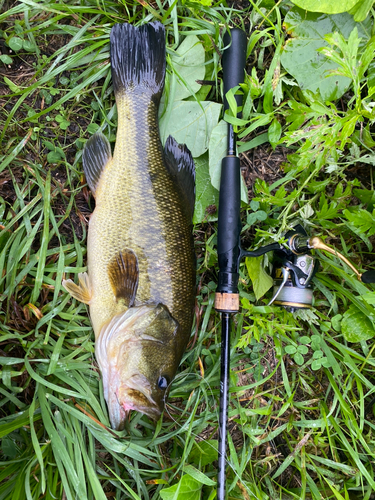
(140, 284)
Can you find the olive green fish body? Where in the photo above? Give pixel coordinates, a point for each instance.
(140, 284)
(139, 207)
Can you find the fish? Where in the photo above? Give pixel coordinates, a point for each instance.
(141, 267)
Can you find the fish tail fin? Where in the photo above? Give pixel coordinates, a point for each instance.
(138, 58)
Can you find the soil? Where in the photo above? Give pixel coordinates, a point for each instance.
(262, 163)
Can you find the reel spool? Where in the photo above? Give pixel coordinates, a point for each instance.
(295, 268)
(293, 274)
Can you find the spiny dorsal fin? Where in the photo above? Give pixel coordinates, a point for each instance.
(96, 155)
(81, 292)
(180, 165)
(123, 276)
(138, 58)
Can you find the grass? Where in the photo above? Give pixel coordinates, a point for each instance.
(297, 430)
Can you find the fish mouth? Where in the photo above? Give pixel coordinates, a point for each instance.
(117, 414)
(134, 395)
(137, 400)
(117, 349)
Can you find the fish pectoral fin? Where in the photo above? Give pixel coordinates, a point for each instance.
(81, 292)
(123, 275)
(96, 155)
(180, 165)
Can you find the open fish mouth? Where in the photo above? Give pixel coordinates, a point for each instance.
(119, 406)
(125, 351)
(135, 394)
(137, 400)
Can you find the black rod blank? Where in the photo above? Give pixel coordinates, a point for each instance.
(224, 398)
(228, 238)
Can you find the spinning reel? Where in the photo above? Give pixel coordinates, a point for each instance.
(295, 267)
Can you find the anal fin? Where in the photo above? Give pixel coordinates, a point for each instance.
(81, 292)
(180, 165)
(123, 275)
(96, 155)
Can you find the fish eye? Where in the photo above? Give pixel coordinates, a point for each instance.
(162, 383)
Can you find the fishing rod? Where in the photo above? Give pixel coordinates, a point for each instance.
(228, 236)
(294, 266)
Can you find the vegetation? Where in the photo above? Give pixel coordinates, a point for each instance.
(302, 383)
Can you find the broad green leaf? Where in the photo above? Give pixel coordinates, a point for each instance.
(336, 322)
(369, 297)
(300, 56)
(261, 281)
(217, 151)
(54, 157)
(303, 349)
(198, 475)
(187, 488)
(316, 364)
(290, 349)
(318, 354)
(204, 452)
(366, 196)
(254, 205)
(64, 125)
(15, 43)
(191, 123)
(274, 132)
(355, 326)
(326, 6)
(205, 194)
(29, 46)
(304, 340)
(298, 358)
(315, 344)
(361, 9)
(188, 63)
(6, 59)
(92, 128)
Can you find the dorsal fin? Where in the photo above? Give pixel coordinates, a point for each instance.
(96, 155)
(123, 276)
(180, 165)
